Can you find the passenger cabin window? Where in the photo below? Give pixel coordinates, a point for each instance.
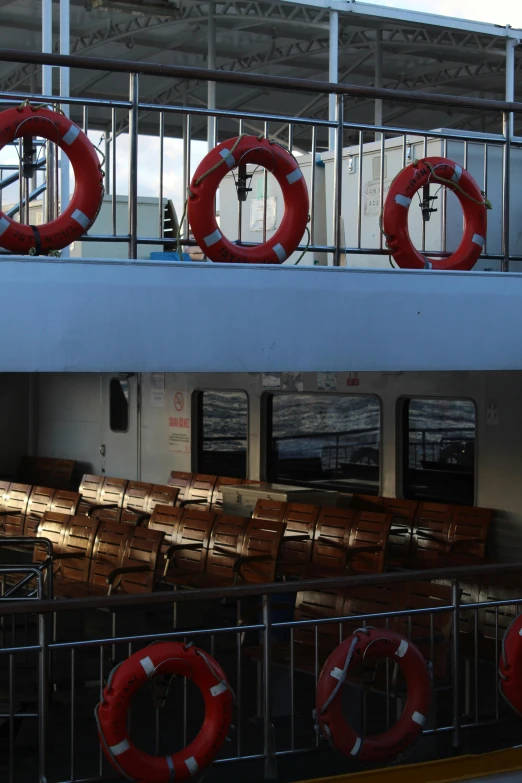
(119, 405)
(439, 453)
(325, 440)
(222, 433)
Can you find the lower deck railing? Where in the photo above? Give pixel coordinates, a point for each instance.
(56, 656)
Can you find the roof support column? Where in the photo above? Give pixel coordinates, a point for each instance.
(333, 71)
(65, 91)
(47, 89)
(378, 80)
(211, 89)
(510, 76)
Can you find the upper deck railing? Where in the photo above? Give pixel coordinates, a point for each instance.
(339, 223)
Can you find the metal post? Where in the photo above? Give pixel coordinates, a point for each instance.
(133, 166)
(455, 600)
(211, 88)
(161, 216)
(65, 88)
(187, 128)
(43, 688)
(338, 180)
(506, 163)
(378, 79)
(270, 768)
(510, 76)
(333, 71)
(107, 153)
(47, 89)
(113, 194)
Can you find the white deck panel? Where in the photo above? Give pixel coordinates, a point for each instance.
(131, 316)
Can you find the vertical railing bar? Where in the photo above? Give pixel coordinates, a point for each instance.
(11, 717)
(72, 712)
(85, 119)
(455, 600)
(313, 184)
(265, 189)
(100, 760)
(56, 183)
(423, 225)
(292, 691)
(388, 695)
(381, 182)
(338, 179)
(476, 670)
(21, 210)
(444, 195)
(290, 138)
(185, 704)
(497, 694)
(113, 164)
(239, 202)
(161, 216)
(270, 765)
(133, 165)
(43, 684)
(359, 190)
(466, 154)
(506, 162)
(485, 188)
(238, 680)
(187, 129)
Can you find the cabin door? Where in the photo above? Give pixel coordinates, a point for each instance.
(119, 425)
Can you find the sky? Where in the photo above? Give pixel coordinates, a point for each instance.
(500, 12)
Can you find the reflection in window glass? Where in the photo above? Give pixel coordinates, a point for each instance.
(325, 440)
(119, 405)
(440, 454)
(223, 433)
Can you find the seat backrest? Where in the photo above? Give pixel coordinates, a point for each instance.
(332, 537)
(226, 542)
(403, 518)
(366, 502)
(162, 495)
(40, 501)
(4, 489)
(65, 502)
(181, 481)
(201, 489)
(112, 493)
(217, 494)
(470, 522)
(109, 551)
(143, 549)
(46, 471)
(90, 490)
(16, 501)
(51, 525)
(135, 501)
(431, 531)
(370, 530)
(274, 510)
(370, 599)
(318, 605)
(195, 527)
(262, 540)
(166, 519)
(300, 520)
(80, 535)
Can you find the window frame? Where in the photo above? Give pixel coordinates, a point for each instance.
(116, 378)
(197, 425)
(402, 441)
(267, 430)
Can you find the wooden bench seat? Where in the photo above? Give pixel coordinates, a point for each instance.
(46, 472)
(141, 499)
(118, 500)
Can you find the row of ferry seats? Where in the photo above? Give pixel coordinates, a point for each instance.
(118, 500)
(46, 472)
(432, 534)
(22, 506)
(323, 541)
(202, 490)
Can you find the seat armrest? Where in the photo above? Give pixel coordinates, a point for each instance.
(126, 570)
(142, 518)
(196, 501)
(244, 559)
(177, 548)
(92, 509)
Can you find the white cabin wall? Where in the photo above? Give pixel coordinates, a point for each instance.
(15, 420)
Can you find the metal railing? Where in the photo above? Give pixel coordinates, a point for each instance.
(489, 155)
(243, 628)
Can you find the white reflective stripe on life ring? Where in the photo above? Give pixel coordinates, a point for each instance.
(418, 718)
(120, 748)
(192, 765)
(402, 649)
(355, 750)
(71, 135)
(403, 201)
(280, 252)
(294, 176)
(478, 240)
(148, 666)
(81, 218)
(216, 690)
(228, 158)
(456, 173)
(212, 238)
(4, 225)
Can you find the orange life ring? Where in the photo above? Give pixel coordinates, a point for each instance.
(82, 210)
(373, 643)
(128, 677)
(510, 665)
(202, 194)
(395, 214)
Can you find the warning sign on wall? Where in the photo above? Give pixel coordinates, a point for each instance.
(179, 424)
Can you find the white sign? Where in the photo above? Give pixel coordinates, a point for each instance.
(157, 389)
(327, 381)
(257, 211)
(372, 197)
(179, 423)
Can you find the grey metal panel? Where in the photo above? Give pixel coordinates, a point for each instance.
(117, 316)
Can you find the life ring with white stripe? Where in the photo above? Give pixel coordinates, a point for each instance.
(510, 666)
(83, 208)
(128, 677)
(368, 643)
(202, 193)
(435, 171)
